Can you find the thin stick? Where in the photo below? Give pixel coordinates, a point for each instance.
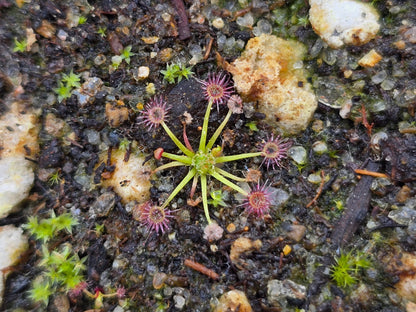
(201, 268)
(321, 186)
(371, 173)
(208, 50)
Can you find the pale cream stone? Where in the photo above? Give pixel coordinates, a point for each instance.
(400, 264)
(116, 115)
(143, 72)
(233, 301)
(16, 180)
(270, 72)
(340, 22)
(130, 179)
(12, 245)
(18, 131)
(243, 245)
(218, 23)
(18, 140)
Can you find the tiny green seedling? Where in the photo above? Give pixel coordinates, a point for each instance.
(63, 92)
(303, 21)
(176, 71)
(82, 20)
(46, 229)
(124, 144)
(40, 291)
(345, 272)
(252, 125)
(62, 269)
(99, 229)
(72, 80)
(102, 31)
(339, 205)
(126, 54)
(217, 199)
(20, 46)
(67, 84)
(54, 179)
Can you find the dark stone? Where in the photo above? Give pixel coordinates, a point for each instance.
(400, 155)
(411, 68)
(98, 260)
(51, 155)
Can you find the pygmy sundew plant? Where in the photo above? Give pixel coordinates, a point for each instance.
(207, 159)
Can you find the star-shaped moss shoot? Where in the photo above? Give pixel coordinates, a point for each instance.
(207, 159)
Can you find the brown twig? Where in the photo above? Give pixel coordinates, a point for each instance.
(208, 49)
(201, 268)
(371, 173)
(321, 186)
(183, 25)
(364, 120)
(242, 12)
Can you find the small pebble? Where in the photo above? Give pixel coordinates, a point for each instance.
(231, 228)
(218, 23)
(246, 20)
(116, 115)
(370, 59)
(142, 73)
(150, 88)
(213, 232)
(263, 27)
(410, 35)
(165, 55)
(317, 125)
(315, 178)
(298, 154)
(99, 59)
(166, 16)
(103, 204)
(320, 147)
(388, 84)
(297, 232)
(233, 301)
(287, 250)
(404, 194)
(379, 77)
(93, 136)
(400, 44)
(278, 292)
(46, 29)
(62, 34)
(61, 303)
(179, 302)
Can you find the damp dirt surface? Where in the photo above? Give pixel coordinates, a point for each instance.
(322, 205)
